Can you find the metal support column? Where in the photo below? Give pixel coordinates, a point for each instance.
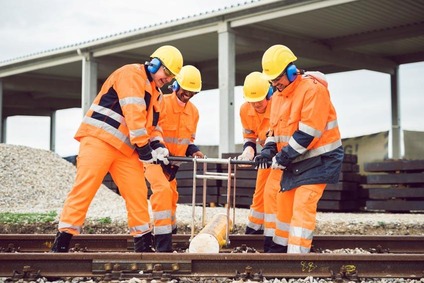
(53, 131)
(396, 127)
(226, 79)
(89, 81)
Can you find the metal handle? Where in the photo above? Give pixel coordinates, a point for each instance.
(210, 160)
(180, 158)
(213, 160)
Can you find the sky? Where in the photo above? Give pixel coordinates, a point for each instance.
(361, 98)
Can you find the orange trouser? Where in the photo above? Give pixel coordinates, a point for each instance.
(272, 187)
(296, 217)
(161, 199)
(175, 195)
(262, 211)
(95, 159)
(256, 213)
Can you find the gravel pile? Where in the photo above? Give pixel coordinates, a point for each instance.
(35, 180)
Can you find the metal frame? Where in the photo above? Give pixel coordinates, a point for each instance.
(207, 175)
(212, 176)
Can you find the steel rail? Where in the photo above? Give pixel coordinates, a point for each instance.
(177, 265)
(123, 242)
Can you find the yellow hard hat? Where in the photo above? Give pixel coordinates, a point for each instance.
(255, 87)
(189, 78)
(170, 56)
(275, 60)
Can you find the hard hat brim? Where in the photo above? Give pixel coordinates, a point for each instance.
(254, 99)
(270, 77)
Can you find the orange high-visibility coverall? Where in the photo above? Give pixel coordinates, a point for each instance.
(262, 210)
(179, 132)
(124, 114)
(304, 129)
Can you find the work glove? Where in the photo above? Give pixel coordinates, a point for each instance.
(267, 152)
(282, 158)
(146, 154)
(161, 154)
(161, 151)
(261, 162)
(276, 165)
(247, 155)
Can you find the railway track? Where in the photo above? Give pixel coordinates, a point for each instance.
(177, 265)
(122, 243)
(110, 257)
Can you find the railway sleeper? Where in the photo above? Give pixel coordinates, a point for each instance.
(145, 270)
(27, 274)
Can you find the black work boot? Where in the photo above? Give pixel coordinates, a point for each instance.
(163, 243)
(175, 230)
(143, 244)
(268, 243)
(250, 231)
(61, 242)
(276, 248)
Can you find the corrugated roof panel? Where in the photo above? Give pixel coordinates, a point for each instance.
(405, 46)
(136, 30)
(333, 22)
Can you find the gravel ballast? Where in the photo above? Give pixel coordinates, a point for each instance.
(37, 181)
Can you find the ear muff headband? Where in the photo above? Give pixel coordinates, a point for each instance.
(270, 92)
(291, 72)
(154, 65)
(175, 86)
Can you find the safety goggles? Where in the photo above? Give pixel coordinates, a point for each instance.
(277, 79)
(167, 72)
(187, 93)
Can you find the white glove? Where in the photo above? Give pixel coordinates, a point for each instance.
(152, 160)
(162, 154)
(247, 154)
(276, 165)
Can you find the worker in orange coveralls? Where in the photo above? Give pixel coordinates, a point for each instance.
(179, 132)
(254, 116)
(119, 134)
(304, 141)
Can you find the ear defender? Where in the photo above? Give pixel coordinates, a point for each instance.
(270, 92)
(175, 86)
(291, 72)
(154, 65)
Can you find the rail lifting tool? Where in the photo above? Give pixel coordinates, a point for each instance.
(208, 175)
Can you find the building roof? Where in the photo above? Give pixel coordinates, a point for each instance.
(330, 36)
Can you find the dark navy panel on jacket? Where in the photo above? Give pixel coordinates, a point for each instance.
(323, 169)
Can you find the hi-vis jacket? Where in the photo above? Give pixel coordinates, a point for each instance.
(118, 114)
(255, 125)
(303, 127)
(179, 127)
